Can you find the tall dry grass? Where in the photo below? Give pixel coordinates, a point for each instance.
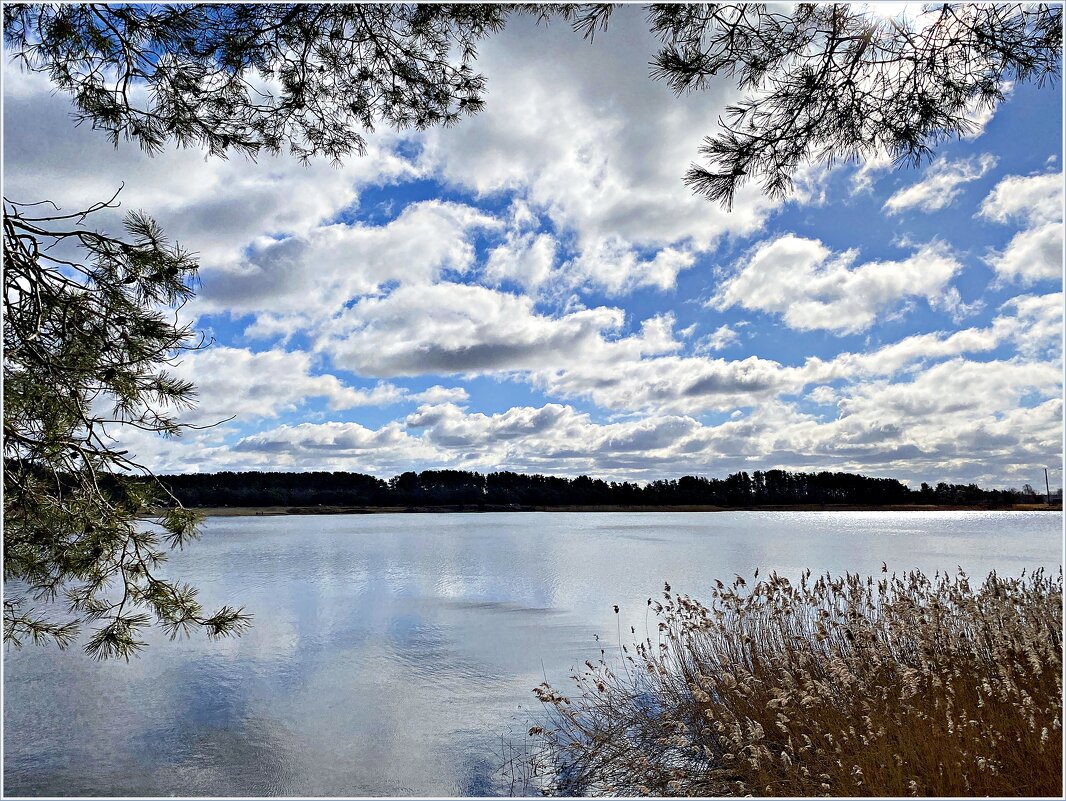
(907, 685)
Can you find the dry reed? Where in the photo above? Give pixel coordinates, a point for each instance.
(907, 685)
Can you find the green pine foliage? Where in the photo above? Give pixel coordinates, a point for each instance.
(89, 329)
(831, 82)
(257, 77)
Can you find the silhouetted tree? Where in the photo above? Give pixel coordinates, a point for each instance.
(505, 488)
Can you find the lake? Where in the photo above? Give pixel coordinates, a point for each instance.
(395, 654)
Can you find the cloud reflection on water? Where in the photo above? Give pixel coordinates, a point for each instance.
(391, 653)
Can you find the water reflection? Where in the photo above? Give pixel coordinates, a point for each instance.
(390, 653)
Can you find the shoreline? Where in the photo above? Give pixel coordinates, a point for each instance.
(279, 511)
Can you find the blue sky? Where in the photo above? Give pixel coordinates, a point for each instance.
(535, 289)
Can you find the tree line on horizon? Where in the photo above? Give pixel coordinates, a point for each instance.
(509, 489)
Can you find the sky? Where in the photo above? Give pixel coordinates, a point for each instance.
(535, 289)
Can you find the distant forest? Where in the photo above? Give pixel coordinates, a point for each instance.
(514, 490)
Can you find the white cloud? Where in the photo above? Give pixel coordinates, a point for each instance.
(582, 134)
(945, 390)
(312, 276)
(898, 356)
(814, 288)
(439, 394)
(593, 152)
(941, 185)
(525, 258)
(919, 408)
(670, 383)
(457, 328)
(823, 395)
(954, 410)
(1031, 255)
(1035, 253)
(612, 264)
(1035, 199)
(212, 206)
(350, 446)
(1034, 323)
(238, 382)
(979, 113)
(924, 429)
(547, 427)
(617, 378)
(862, 180)
(719, 339)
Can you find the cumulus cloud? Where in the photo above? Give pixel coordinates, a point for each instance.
(349, 446)
(925, 428)
(1030, 324)
(978, 114)
(310, 277)
(918, 408)
(449, 328)
(547, 427)
(947, 389)
(673, 383)
(955, 409)
(526, 259)
(1034, 323)
(862, 180)
(604, 165)
(719, 339)
(942, 183)
(1034, 253)
(213, 206)
(823, 395)
(1033, 199)
(616, 378)
(458, 329)
(612, 264)
(440, 394)
(812, 287)
(236, 382)
(1031, 255)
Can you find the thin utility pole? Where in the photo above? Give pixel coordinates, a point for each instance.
(1048, 487)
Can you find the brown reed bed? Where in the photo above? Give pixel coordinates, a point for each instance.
(890, 686)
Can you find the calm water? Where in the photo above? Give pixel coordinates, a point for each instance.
(394, 654)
